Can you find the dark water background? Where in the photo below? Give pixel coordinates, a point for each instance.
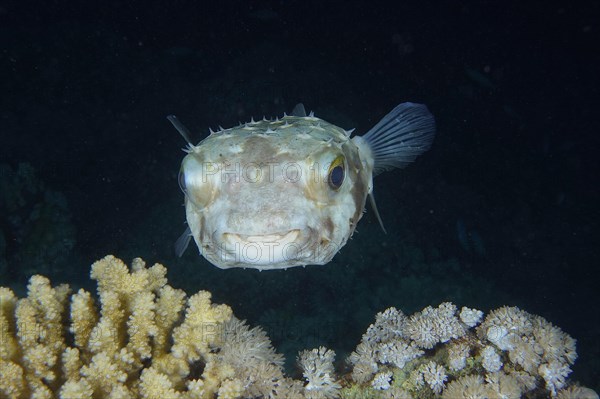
(502, 210)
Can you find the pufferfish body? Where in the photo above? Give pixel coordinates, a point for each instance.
(274, 194)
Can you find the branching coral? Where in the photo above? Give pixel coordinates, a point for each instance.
(146, 339)
(142, 338)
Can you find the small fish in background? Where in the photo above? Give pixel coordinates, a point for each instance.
(274, 194)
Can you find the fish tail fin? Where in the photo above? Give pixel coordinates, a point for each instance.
(402, 135)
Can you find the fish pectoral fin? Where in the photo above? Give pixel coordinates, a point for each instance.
(374, 206)
(182, 242)
(401, 136)
(299, 110)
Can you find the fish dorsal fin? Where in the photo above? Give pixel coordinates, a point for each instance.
(299, 110)
(182, 242)
(402, 135)
(374, 206)
(185, 133)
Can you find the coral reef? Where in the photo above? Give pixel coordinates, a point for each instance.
(146, 339)
(511, 354)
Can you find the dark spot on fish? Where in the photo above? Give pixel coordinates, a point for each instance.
(259, 147)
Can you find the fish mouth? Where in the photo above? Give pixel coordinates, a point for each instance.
(277, 250)
(283, 238)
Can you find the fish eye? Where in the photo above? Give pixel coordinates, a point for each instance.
(181, 179)
(336, 173)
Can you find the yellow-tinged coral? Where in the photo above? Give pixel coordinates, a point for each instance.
(8, 341)
(12, 379)
(145, 340)
(231, 389)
